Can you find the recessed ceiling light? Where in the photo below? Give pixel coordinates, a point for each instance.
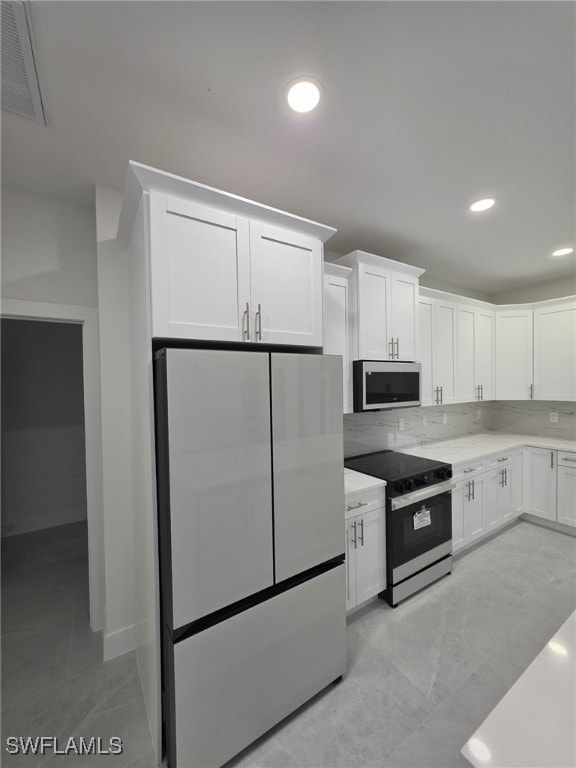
(483, 205)
(304, 94)
(562, 251)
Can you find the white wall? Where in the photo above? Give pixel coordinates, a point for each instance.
(43, 442)
(115, 395)
(48, 250)
(552, 289)
(49, 270)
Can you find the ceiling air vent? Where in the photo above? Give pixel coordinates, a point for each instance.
(20, 90)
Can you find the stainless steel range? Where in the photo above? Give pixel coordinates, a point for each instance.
(418, 519)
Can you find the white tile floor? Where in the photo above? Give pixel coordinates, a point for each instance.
(54, 682)
(420, 679)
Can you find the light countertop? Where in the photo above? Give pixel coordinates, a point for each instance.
(357, 481)
(471, 447)
(533, 725)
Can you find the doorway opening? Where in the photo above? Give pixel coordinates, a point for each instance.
(45, 574)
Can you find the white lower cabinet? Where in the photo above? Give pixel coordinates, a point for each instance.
(540, 485)
(488, 493)
(550, 486)
(566, 487)
(365, 554)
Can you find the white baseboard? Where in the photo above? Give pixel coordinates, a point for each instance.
(552, 524)
(119, 642)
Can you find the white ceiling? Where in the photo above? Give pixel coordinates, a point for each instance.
(428, 106)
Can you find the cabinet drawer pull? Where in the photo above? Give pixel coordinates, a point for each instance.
(247, 317)
(472, 469)
(567, 458)
(259, 322)
(356, 506)
(504, 459)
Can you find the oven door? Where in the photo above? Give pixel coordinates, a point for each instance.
(419, 531)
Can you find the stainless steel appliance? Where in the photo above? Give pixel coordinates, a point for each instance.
(418, 519)
(252, 539)
(378, 384)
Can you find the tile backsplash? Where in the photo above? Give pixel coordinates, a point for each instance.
(364, 432)
(533, 417)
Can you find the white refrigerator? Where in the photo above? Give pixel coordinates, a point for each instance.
(252, 539)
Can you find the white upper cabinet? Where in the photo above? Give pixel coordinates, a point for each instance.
(338, 323)
(225, 268)
(286, 286)
(555, 351)
(514, 354)
(475, 353)
(437, 350)
(484, 353)
(385, 299)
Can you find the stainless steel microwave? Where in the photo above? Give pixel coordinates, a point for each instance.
(379, 385)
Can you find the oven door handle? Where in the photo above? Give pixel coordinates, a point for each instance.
(425, 493)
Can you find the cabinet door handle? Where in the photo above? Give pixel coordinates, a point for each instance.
(501, 480)
(506, 476)
(355, 539)
(473, 489)
(482, 391)
(441, 395)
(356, 506)
(391, 349)
(468, 491)
(531, 391)
(259, 322)
(247, 318)
(362, 531)
(551, 459)
(397, 349)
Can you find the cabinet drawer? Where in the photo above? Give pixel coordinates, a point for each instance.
(469, 469)
(495, 462)
(567, 459)
(358, 503)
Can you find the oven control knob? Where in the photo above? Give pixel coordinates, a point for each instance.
(409, 485)
(399, 487)
(444, 474)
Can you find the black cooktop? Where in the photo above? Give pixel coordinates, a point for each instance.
(392, 466)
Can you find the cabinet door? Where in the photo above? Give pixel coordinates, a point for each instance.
(426, 347)
(498, 502)
(351, 549)
(509, 493)
(567, 495)
(445, 343)
(338, 330)
(541, 482)
(307, 457)
(516, 473)
(494, 482)
(458, 532)
(286, 286)
(474, 520)
(404, 299)
(370, 557)
(374, 332)
(555, 352)
(200, 271)
(466, 383)
(219, 509)
(484, 352)
(514, 355)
